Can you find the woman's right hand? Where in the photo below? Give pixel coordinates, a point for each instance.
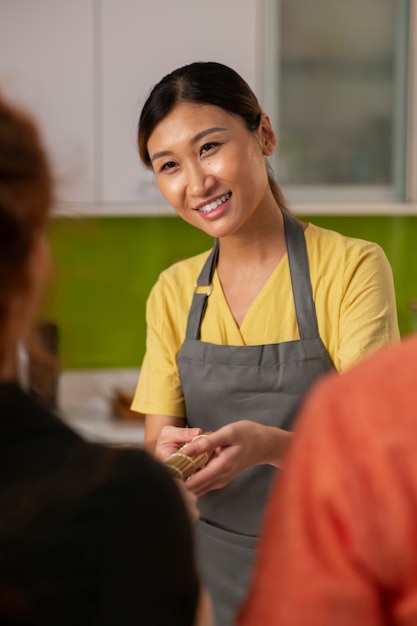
(172, 438)
(165, 434)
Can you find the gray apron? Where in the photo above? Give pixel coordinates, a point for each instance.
(264, 384)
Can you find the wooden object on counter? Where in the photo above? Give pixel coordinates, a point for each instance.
(121, 403)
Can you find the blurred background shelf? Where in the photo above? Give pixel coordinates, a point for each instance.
(86, 404)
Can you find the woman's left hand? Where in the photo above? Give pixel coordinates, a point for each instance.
(237, 446)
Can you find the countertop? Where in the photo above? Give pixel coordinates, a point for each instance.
(85, 404)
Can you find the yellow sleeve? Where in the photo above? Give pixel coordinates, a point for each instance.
(159, 390)
(368, 312)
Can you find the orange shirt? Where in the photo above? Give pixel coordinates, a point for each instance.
(339, 546)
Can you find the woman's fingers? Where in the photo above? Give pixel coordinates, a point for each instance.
(174, 434)
(216, 474)
(207, 443)
(236, 449)
(172, 438)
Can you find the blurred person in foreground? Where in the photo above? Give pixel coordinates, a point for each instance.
(339, 546)
(88, 534)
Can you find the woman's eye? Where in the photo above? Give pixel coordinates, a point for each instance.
(208, 146)
(167, 166)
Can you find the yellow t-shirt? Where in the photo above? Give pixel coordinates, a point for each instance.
(353, 292)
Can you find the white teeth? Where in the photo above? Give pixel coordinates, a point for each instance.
(213, 205)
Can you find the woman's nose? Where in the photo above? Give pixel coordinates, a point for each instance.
(200, 182)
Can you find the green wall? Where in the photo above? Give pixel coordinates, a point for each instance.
(105, 267)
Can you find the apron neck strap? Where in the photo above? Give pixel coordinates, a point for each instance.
(300, 278)
(202, 290)
(300, 281)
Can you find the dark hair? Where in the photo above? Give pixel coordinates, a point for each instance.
(25, 197)
(204, 83)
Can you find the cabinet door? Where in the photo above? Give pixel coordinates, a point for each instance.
(46, 65)
(341, 99)
(141, 42)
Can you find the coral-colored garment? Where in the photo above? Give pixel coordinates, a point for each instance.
(339, 546)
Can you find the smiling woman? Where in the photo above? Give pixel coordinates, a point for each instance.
(236, 336)
(206, 162)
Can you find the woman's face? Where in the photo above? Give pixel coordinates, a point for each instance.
(211, 168)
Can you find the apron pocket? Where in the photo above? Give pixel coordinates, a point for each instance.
(226, 561)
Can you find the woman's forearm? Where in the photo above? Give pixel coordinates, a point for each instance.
(275, 442)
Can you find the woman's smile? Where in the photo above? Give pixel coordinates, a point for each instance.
(210, 208)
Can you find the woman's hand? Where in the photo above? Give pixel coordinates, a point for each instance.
(171, 438)
(237, 446)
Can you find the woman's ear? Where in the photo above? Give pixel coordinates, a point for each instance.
(268, 137)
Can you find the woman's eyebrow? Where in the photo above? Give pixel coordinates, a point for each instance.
(158, 155)
(203, 133)
(194, 140)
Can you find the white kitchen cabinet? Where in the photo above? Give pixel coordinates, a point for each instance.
(85, 67)
(47, 65)
(141, 42)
